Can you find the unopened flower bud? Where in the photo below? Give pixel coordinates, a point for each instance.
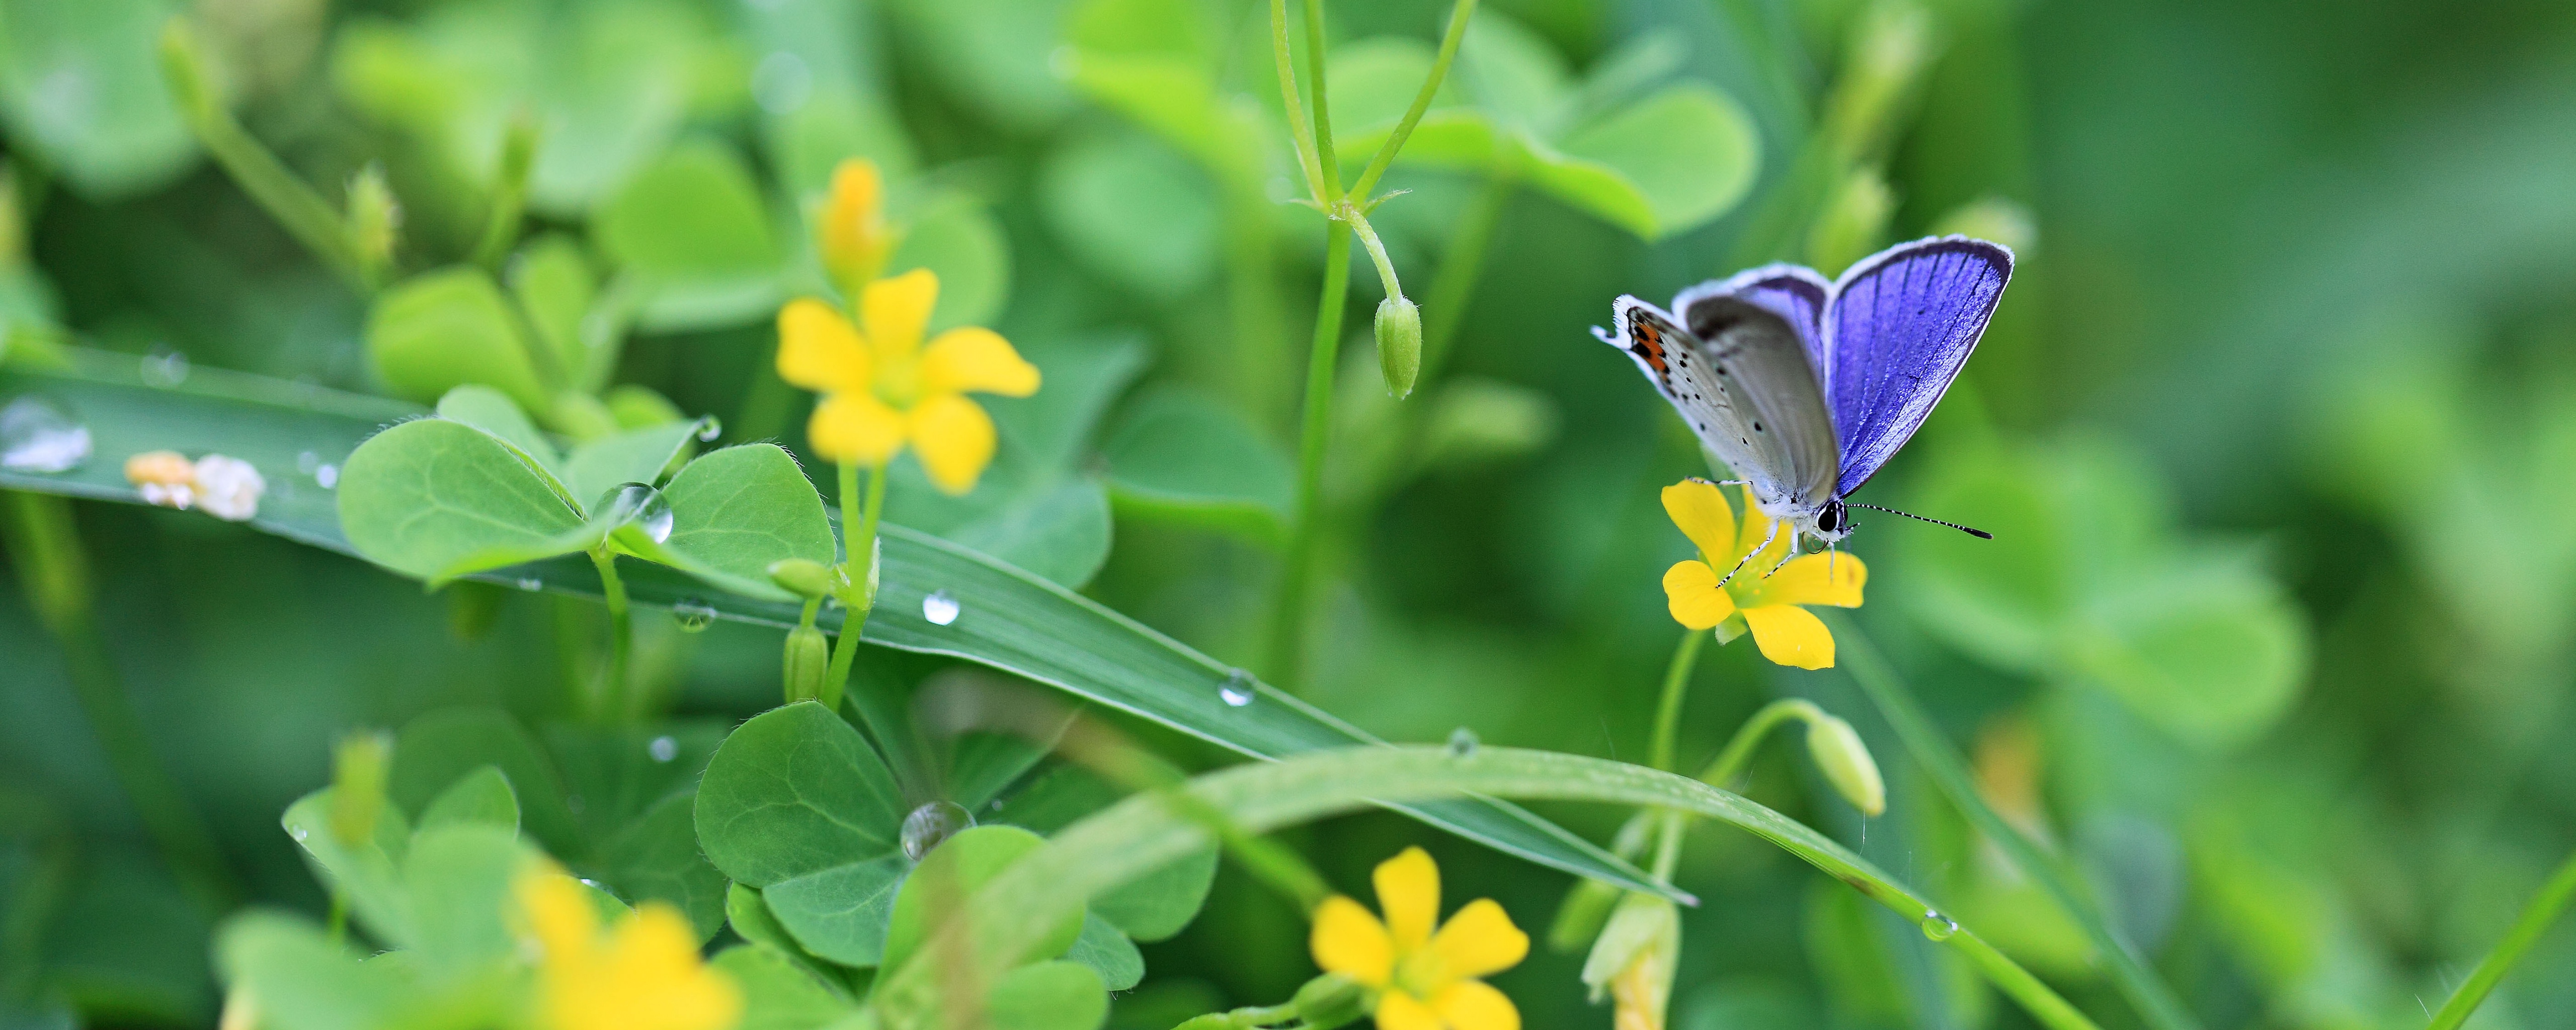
(375, 217)
(360, 766)
(1399, 343)
(1331, 1000)
(803, 577)
(1635, 959)
(808, 664)
(851, 232)
(1845, 761)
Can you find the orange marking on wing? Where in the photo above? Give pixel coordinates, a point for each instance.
(1649, 345)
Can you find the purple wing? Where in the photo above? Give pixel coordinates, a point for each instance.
(1899, 328)
(1796, 293)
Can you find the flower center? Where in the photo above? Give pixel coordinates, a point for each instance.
(898, 383)
(1421, 974)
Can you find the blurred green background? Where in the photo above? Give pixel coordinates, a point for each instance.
(2276, 428)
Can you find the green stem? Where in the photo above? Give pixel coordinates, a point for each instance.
(1385, 156)
(1323, 115)
(1668, 707)
(1730, 763)
(55, 575)
(615, 701)
(2154, 1001)
(2536, 917)
(862, 551)
(509, 193)
(1377, 252)
(306, 216)
(1301, 132)
(1296, 578)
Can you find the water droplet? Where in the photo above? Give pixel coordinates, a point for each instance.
(37, 435)
(709, 428)
(940, 608)
(530, 583)
(165, 367)
(307, 461)
(641, 506)
(1937, 926)
(328, 476)
(1238, 688)
(693, 614)
(593, 884)
(1462, 743)
(997, 804)
(932, 823)
(662, 749)
(299, 833)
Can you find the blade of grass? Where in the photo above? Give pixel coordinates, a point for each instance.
(2534, 921)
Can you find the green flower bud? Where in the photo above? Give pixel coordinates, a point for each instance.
(1331, 1000)
(804, 577)
(1846, 764)
(808, 664)
(359, 769)
(375, 217)
(1644, 931)
(1399, 343)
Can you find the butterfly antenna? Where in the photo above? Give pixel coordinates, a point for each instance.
(1971, 531)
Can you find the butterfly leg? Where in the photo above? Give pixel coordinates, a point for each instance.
(1748, 555)
(1787, 558)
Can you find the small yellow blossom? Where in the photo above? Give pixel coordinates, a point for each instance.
(642, 974)
(851, 231)
(1757, 598)
(1424, 980)
(882, 388)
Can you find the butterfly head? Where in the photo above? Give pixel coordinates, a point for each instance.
(1833, 521)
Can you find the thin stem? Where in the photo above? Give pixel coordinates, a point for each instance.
(509, 193)
(1385, 156)
(1668, 708)
(862, 552)
(1323, 133)
(1296, 579)
(55, 575)
(1730, 763)
(614, 694)
(1301, 132)
(1377, 252)
(287, 198)
(2154, 1001)
(2536, 917)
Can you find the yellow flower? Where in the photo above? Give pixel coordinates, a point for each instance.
(1424, 980)
(1758, 599)
(882, 389)
(851, 233)
(643, 974)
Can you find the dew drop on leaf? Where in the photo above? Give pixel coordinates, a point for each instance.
(662, 748)
(932, 823)
(641, 506)
(1462, 743)
(940, 608)
(328, 476)
(529, 583)
(165, 367)
(709, 429)
(693, 614)
(1237, 690)
(1937, 926)
(37, 435)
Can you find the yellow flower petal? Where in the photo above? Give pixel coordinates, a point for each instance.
(558, 912)
(820, 350)
(954, 439)
(1757, 527)
(1350, 941)
(852, 234)
(893, 312)
(856, 428)
(979, 360)
(1692, 594)
(1475, 1005)
(1479, 940)
(1408, 891)
(1397, 1010)
(1805, 580)
(1790, 635)
(1700, 509)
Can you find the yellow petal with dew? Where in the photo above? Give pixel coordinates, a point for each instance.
(1790, 635)
(1699, 508)
(954, 438)
(1476, 1005)
(1408, 891)
(820, 350)
(1397, 1010)
(1478, 941)
(855, 429)
(1692, 594)
(1350, 941)
(1833, 578)
(977, 360)
(894, 311)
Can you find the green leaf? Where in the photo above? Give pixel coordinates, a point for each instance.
(1109, 953)
(1133, 210)
(750, 917)
(1182, 457)
(436, 500)
(840, 913)
(1591, 187)
(1159, 904)
(460, 878)
(656, 857)
(957, 868)
(1061, 534)
(482, 796)
(368, 874)
(693, 232)
(440, 330)
(2209, 651)
(738, 510)
(776, 994)
(1175, 98)
(304, 981)
(1372, 83)
(993, 55)
(1511, 71)
(619, 772)
(80, 84)
(1690, 151)
(494, 412)
(794, 791)
(439, 748)
(555, 287)
(1048, 996)
(634, 456)
(955, 239)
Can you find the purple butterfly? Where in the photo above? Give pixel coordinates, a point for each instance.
(1805, 387)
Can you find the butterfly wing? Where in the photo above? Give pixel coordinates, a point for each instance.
(1898, 329)
(1794, 292)
(1673, 360)
(1765, 363)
